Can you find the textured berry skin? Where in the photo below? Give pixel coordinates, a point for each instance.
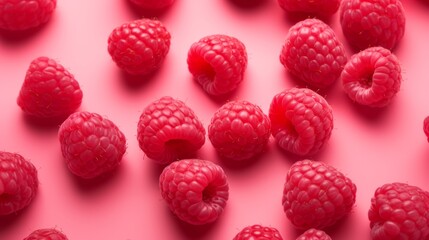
(46, 234)
(258, 232)
(313, 53)
(314, 234)
(169, 130)
(218, 63)
(317, 195)
(372, 23)
(318, 7)
(196, 191)
(426, 127)
(301, 121)
(239, 130)
(372, 77)
(91, 145)
(153, 4)
(139, 47)
(49, 90)
(18, 183)
(399, 211)
(18, 15)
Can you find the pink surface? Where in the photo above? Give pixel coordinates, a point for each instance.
(372, 147)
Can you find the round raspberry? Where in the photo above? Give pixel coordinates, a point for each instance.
(153, 4)
(372, 77)
(139, 47)
(313, 53)
(18, 183)
(169, 130)
(372, 23)
(317, 195)
(195, 190)
(301, 121)
(399, 211)
(317, 7)
(46, 234)
(18, 15)
(91, 145)
(258, 232)
(49, 90)
(314, 234)
(239, 130)
(426, 127)
(218, 63)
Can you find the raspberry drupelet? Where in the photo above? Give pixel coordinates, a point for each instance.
(196, 191)
(426, 127)
(316, 7)
(217, 63)
(314, 234)
(46, 234)
(258, 232)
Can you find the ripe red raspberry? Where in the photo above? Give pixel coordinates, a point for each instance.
(317, 195)
(426, 127)
(258, 232)
(313, 53)
(218, 63)
(153, 4)
(49, 90)
(18, 182)
(169, 130)
(372, 23)
(318, 7)
(314, 234)
(301, 121)
(17, 15)
(139, 47)
(399, 211)
(372, 77)
(196, 191)
(239, 130)
(46, 234)
(91, 145)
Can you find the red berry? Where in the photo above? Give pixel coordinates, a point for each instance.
(426, 127)
(49, 90)
(372, 77)
(17, 15)
(317, 195)
(196, 191)
(313, 53)
(91, 145)
(218, 63)
(153, 4)
(18, 183)
(314, 234)
(239, 130)
(372, 23)
(46, 234)
(301, 121)
(318, 7)
(399, 211)
(139, 47)
(169, 130)
(258, 232)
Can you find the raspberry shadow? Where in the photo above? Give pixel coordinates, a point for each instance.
(295, 17)
(148, 13)
(249, 4)
(13, 38)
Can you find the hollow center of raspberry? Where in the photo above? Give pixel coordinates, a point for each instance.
(203, 69)
(208, 193)
(366, 77)
(180, 147)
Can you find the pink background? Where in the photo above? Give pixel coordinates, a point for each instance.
(372, 147)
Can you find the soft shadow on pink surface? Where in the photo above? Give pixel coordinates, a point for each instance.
(373, 115)
(242, 165)
(249, 4)
(13, 219)
(12, 38)
(147, 13)
(296, 82)
(46, 125)
(136, 82)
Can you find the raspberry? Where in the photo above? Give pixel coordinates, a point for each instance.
(317, 195)
(169, 130)
(313, 53)
(372, 23)
(18, 15)
(258, 232)
(314, 234)
(195, 190)
(91, 145)
(46, 234)
(301, 121)
(318, 7)
(139, 47)
(49, 90)
(18, 183)
(372, 77)
(399, 211)
(426, 127)
(153, 4)
(218, 62)
(239, 130)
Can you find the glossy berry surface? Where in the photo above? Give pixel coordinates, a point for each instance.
(46, 234)
(314, 234)
(258, 232)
